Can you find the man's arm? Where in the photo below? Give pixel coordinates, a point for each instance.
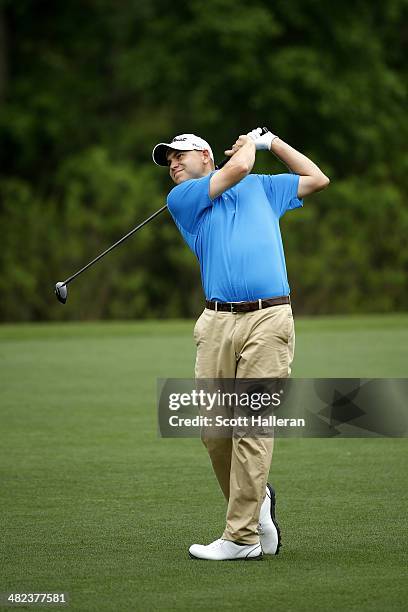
(311, 178)
(238, 167)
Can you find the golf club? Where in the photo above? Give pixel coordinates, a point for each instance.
(61, 290)
(61, 287)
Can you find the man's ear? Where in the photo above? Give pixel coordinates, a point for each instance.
(206, 157)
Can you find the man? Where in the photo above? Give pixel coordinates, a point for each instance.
(230, 220)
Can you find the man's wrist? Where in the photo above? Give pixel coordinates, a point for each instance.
(275, 141)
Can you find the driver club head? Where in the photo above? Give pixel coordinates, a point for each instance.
(61, 292)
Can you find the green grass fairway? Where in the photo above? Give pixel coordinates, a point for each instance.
(95, 504)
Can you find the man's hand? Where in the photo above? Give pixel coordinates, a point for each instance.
(242, 155)
(239, 143)
(262, 141)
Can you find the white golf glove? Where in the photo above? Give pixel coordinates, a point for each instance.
(262, 141)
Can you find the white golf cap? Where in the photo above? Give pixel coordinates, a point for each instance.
(184, 142)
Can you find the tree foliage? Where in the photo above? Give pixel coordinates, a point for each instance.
(88, 87)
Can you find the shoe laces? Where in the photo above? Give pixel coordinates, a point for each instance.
(260, 529)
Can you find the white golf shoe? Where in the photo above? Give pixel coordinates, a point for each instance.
(224, 550)
(268, 528)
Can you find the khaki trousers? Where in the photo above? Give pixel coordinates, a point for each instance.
(257, 344)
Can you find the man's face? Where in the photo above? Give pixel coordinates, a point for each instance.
(185, 165)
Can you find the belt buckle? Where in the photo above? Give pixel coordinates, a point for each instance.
(232, 305)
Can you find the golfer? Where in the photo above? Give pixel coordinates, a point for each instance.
(230, 220)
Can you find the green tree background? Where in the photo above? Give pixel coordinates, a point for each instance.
(88, 87)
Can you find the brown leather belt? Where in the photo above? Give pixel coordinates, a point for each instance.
(236, 307)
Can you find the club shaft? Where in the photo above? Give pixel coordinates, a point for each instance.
(221, 164)
(135, 229)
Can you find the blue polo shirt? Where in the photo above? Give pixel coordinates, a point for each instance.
(236, 237)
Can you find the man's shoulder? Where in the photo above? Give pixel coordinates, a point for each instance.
(188, 200)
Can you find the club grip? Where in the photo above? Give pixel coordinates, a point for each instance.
(226, 159)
